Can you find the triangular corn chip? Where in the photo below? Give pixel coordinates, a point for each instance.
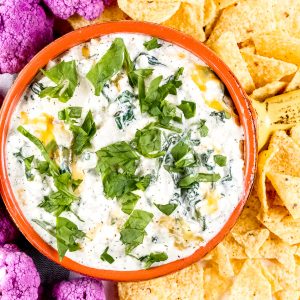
(278, 45)
(294, 83)
(227, 49)
(288, 295)
(245, 19)
(250, 283)
(265, 70)
(252, 240)
(189, 19)
(267, 91)
(210, 11)
(288, 189)
(295, 134)
(222, 258)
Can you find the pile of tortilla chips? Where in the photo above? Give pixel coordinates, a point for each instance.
(260, 41)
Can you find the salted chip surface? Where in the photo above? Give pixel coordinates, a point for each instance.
(156, 11)
(264, 70)
(294, 84)
(288, 189)
(189, 19)
(210, 11)
(221, 257)
(245, 19)
(295, 134)
(288, 295)
(227, 49)
(185, 284)
(250, 283)
(268, 90)
(252, 240)
(225, 3)
(278, 45)
(111, 13)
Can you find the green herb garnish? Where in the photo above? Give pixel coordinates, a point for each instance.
(128, 202)
(188, 108)
(64, 75)
(70, 114)
(152, 44)
(83, 134)
(203, 129)
(106, 257)
(166, 209)
(133, 231)
(220, 160)
(153, 258)
(188, 181)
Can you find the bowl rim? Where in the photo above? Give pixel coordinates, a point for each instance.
(238, 95)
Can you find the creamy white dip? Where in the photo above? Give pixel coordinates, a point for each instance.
(201, 210)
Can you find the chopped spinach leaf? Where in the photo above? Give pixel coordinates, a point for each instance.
(228, 177)
(204, 157)
(65, 76)
(133, 231)
(220, 160)
(152, 44)
(203, 129)
(153, 258)
(106, 257)
(128, 202)
(83, 134)
(109, 65)
(152, 60)
(188, 181)
(36, 87)
(182, 155)
(188, 108)
(124, 117)
(221, 115)
(166, 209)
(70, 114)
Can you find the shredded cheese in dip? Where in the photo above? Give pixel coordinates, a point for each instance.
(138, 170)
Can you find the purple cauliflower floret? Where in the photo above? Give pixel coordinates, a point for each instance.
(24, 30)
(89, 9)
(84, 288)
(19, 279)
(8, 231)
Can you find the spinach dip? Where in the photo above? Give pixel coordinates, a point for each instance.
(124, 153)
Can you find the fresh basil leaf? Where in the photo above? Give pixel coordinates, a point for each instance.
(147, 142)
(64, 183)
(152, 44)
(42, 167)
(70, 114)
(83, 134)
(65, 76)
(203, 129)
(220, 160)
(180, 150)
(143, 182)
(117, 156)
(128, 202)
(188, 108)
(188, 181)
(153, 258)
(166, 209)
(67, 234)
(108, 66)
(106, 257)
(133, 231)
(53, 167)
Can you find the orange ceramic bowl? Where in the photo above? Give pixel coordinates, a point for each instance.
(74, 38)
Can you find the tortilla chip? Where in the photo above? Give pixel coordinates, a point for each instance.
(248, 49)
(269, 90)
(178, 285)
(227, 49)
(288, 189)
(285, 227)
(250, 283)
(189, 19)
(288, 295)
(274, 248)
(210, 11)
(264, 159)
(287, 158)
(215, 286)
(233, 248)
(156, 11)
(265, 70)
(278, 45)
(294, 84)
(225, 3)
(222, 258)
(273, 281)
(252, 240)
(245, 19)
(287, 16)
(295, 134)
(111, 13)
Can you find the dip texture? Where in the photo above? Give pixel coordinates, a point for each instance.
(125, 153)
